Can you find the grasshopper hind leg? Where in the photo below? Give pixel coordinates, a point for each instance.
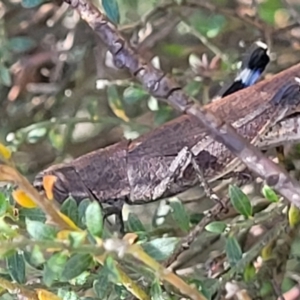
(117, 211)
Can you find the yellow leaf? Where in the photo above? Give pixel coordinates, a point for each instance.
(115, 103)
(63, 234)
(267, 251)
(119, 112)
(131, 238)
(5, 152)
(48, 184)
(69, 221)
(23, 199)
(294, 216)
(99, 241)
(45, 295)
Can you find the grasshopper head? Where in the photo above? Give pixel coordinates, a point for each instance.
(60, 182)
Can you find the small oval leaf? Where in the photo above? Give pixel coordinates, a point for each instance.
(83, 205)
(40, 231)
(180, 215)
(101, 285)
(116, 104)
(69, 208)
(134, 224)
(216, 227)
(133, 95)
(294, 216)
(233, 251)
(240, 201)
(34, 214)
(94, 219)
(161, 248)
(269, 194)
(5, 77)
(113, 272)
(16, 267)
(3, 204)
(21, 44)
(249, 273)
(54, 267)
(31, 3)
(76, 265)
(111, 9)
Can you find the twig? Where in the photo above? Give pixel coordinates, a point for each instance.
(189, 239)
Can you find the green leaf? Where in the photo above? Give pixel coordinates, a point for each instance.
(164, 114)
(111, 9)
(3, 204)
(113, 273)
(240, 201)
(267, 10)
(193, 88)
(156, 291)
(54, 267)
(31, 3)
(65, 294)
(115, 103)
(69, 208)
(21, 44)
(161, 248)
(175, 50)
(34, 257)
(101, 285)
(294, 215)
(133, 95)
(5, 77)
(94, 219)
(16, 267)
(233, 251)
(207, 288)
(134, 224)
(76, 265)
(6, 229)
(249, 273)
(36, 134)
(216, 227)
(179, 214)
(40, 231)
(34, 214)
(207, 24)
(76, 238)
(269, 194)
(83, 205)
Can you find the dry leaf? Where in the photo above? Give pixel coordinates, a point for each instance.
(5, 152)
(23, 199)
(45, 295)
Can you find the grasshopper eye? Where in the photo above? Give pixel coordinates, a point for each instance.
(60, 191)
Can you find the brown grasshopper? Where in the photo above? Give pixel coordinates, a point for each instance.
(158, 164)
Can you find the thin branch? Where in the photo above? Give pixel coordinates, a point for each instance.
(189, 239)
